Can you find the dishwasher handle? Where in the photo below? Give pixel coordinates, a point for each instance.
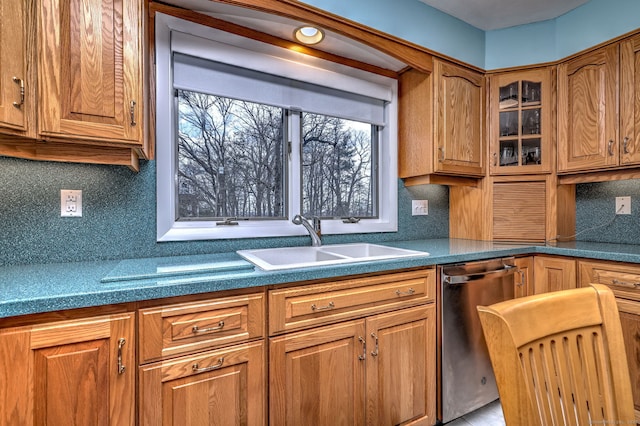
(494, 273)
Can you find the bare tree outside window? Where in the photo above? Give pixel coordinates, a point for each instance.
(230, 158)
(232, 162)
(337, 167)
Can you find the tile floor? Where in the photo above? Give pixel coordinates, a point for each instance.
(489, 415)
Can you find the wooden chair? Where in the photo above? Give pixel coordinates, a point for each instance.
(559, 359)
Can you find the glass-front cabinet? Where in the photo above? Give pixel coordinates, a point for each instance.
(520, 122)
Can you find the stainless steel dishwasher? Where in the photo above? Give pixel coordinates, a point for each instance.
(467, 380)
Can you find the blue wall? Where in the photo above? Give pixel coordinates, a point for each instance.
(119, 214)
(414, 21)
(592, 23)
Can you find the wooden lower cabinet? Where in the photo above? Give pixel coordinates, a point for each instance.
(553, 274)
(76, 372)
(524, 277)
(225, 387)
(379, 370)
(630, 319)
(624, 280)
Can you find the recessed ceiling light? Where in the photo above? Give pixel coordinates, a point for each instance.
(308, 35)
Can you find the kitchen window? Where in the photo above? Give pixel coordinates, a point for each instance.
(249, 135)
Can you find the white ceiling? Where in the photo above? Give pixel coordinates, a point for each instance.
(495, 14)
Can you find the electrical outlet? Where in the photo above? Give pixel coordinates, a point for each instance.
(623, 205)
(70, 203)
(419, 207)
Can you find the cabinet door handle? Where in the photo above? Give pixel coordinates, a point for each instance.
(314, 307)
(196, 368)
(20, 82)
(441, 150)
(132, 112)
(121, 367)
(364, 348)
(374, 352)
(197, 330)
(405, 293)
(495, 159)
(625, 145)
(610, 148)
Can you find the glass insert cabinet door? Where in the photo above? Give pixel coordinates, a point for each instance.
(520, 122)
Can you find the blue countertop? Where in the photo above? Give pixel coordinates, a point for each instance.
(29, 289)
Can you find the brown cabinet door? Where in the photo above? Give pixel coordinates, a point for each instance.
(78, 372)
(524, 277)
(630, 319)
(401, 367)
(458, 120)
(588, 111)
(316, 377)
(553, 274)
(629, 101)
(225, 386)
(89, 70)
(13, 66)
(520, 122)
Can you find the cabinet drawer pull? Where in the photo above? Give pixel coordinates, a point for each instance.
(121, 367)
(314, 307)
(197, 330)
(610, 147)
(21, 83)
(405, 293)
(196, 368)
(625, 145)
(132, 112)
(625, 284)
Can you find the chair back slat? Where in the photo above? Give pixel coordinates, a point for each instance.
(575, 374)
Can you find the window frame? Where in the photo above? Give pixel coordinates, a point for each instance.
(171, 229)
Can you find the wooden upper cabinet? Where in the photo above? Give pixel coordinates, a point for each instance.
(13, 67)
(90, 70)
(520, 123)
(441, 124)
(458, 120)
(599, 110)
(629, 101)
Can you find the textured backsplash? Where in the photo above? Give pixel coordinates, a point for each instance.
(595, 212)
(119, 216)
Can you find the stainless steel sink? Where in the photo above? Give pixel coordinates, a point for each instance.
(301, 257)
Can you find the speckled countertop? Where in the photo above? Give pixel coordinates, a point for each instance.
(28, 289)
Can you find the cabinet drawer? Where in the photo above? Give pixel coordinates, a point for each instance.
(182, 328)
(306, 306)
(623, 279)
(226, 384)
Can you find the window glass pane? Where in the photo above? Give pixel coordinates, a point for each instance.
(337, 167)
(230, 158)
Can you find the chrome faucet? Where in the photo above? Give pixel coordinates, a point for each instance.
(314, 230)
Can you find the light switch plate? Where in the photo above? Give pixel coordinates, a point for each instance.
(70, 203)
(419, 207)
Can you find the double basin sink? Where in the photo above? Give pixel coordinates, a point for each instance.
(301, 257)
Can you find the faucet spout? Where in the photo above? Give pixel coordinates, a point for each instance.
(312, 228)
